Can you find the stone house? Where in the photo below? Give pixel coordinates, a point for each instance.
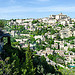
(63, 22)
(61, 16)
(61, 46)
(45, 20)
(52, 21)
(13, 33)
(73, 33)
(28, 20)
(70, 25)
(66, 48)
(58, 28)
(40, 37)
(55, 45)
(54, 35)
(70, 59)
(47, 49)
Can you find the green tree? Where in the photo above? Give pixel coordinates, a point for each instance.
(1, 23)
(9, 69)
(52, 31)
(5, 68)
(35, 21)
(74, 25)
(16, 68)
(58, 37)
(29, 69)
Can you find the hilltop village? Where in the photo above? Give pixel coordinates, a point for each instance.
(48, 36)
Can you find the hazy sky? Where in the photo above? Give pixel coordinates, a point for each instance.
(35, 8)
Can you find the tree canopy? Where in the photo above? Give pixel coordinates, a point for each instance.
(1, 23)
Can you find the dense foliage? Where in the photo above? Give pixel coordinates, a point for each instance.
(35, 21)
(73, 49)
(2, 23)
(56, 58)
(23, 62)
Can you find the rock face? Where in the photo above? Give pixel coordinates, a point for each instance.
(2, 34)
(1, 45)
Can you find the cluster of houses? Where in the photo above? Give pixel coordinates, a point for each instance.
(60, 18)
(69, 55)
(61, 46)
(52, 19)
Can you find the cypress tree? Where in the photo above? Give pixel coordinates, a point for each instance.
(29, 63)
